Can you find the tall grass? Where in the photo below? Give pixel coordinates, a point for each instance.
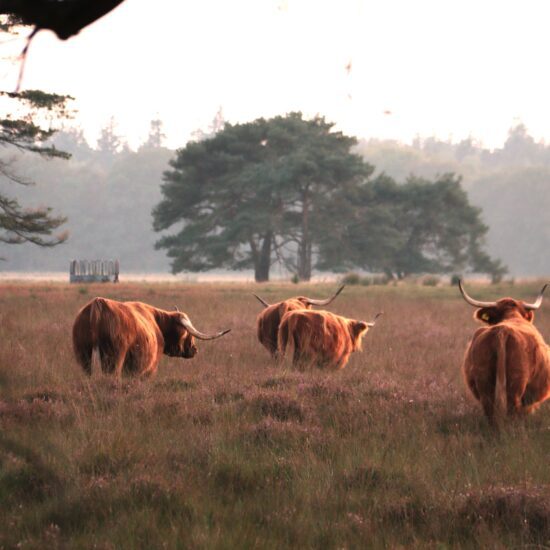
(230, 450)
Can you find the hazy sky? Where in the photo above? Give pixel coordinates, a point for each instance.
(444, 68)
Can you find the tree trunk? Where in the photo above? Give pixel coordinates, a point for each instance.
(304, 248)
(262, 261)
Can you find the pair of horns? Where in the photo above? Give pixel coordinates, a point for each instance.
(310, 301)
(476, 303)
(186, 322)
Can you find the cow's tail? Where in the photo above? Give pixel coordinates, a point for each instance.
(96, 311)
(501, 405)
(283, 337)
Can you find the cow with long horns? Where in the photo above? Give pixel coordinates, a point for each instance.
(267, 324)
(132, 336)
(507, 363)
(321, 337)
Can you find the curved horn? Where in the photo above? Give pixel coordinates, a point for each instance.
(200, 335)
(471, 301)
(373, 322)
(324, 302)
(536, 304)
(263, 302)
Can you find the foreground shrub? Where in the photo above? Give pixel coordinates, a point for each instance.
(431, 280)
(351, 278)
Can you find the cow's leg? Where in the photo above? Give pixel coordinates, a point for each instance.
(488, 408)
(302, 361)
(271, 345)
(520, 398)
(298, 356)
(534, 395)
(515, 405)
(530, 408)
(105, 360)
(119, 364)
(473, 388)
(112, 360)
(343, 361)
(529, 402)
(148, 366)
(150, 372)
(84, 358)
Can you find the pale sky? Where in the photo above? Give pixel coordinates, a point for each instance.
(443, 68)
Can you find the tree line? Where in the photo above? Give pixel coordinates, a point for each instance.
(107, 192)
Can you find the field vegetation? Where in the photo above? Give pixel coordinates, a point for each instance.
(230, 450)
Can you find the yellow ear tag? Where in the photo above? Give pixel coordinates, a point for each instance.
(485, 316)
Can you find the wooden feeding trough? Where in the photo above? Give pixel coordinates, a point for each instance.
(94, 271)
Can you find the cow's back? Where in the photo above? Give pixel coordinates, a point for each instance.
(100, 320)
(518, 349)
(318, 335)
(523, 345)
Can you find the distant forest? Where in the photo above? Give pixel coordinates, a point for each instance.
(108, 192)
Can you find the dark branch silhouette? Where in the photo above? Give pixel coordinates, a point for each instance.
(65, 18)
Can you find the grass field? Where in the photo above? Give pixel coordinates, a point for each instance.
(229, 450)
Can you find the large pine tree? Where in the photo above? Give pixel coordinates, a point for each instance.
(255, 194)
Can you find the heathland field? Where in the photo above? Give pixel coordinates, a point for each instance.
(230, 450)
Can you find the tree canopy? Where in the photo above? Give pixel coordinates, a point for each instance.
(93, 192)
(254, 194)
(420, 226)
(291, 190)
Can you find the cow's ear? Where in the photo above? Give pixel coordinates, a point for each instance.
(487, 315)
(529, 315)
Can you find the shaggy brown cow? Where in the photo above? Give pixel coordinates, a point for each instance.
(131, 336)
(270, 318)
(507, 364)
(321, 337)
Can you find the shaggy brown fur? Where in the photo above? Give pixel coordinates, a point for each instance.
(267, 325)
(507, 364)
(130, 336)
(320, 337)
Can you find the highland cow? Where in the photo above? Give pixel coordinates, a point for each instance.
(507, 363)
(321, 338)
(270, 318)
(132, 336)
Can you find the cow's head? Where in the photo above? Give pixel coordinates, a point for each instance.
(505, 308)
(180, 339)
(358, 329)
(307, 303)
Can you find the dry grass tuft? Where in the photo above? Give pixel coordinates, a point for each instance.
(327, 390)
(524, 510)
(277, 406)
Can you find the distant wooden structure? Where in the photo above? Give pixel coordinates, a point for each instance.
(94, 271)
